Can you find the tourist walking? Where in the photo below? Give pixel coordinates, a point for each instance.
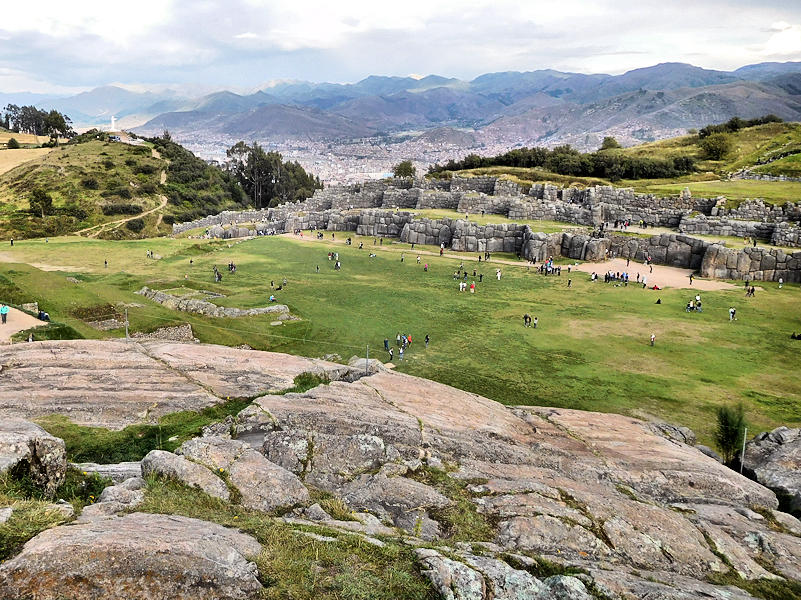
(653, 338)
(386, 344)
(4, 313)
(536, 321)
(400, 353)
(732, 313)
(428, 339)
(526, 320)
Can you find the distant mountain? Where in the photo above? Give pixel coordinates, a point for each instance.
(437, 106)
(545, 104)
(644, 115)
(267, 122)
(767, 70)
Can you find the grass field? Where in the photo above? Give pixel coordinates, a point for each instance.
(10, 159)
(590, 351)
(737, 190)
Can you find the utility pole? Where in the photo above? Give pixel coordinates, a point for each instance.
(742, 456)
(367, 361)
(127, 337)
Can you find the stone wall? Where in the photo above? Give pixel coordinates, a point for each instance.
(382, 223)
(753, 264)
(485, 185)
(786, 234)
(670, 249)
(470, 237)
(428, 231)
(702, 225)
(757, 210)
(439, 199)
(402, 198)
(525, 209)
(476, 203)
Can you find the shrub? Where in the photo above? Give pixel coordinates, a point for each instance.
(108, 163)
(13, 144)
(729, 432)
(130, 162)
(135, 225)
(90, 183)
(715, 146)
(121, 209)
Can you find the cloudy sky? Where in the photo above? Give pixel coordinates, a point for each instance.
(64, 46)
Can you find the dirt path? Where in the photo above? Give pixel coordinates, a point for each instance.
(17, 321)
(662, 276)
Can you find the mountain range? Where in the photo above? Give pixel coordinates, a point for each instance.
(544, 106)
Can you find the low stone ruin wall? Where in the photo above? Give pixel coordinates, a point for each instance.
(526, 210)
(475, 203)
(439, 199)
(280, 312)
(702, 225)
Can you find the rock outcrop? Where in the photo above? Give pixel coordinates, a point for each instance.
(117, 383)
(28, 450)
(144, 556)
(774, 460)
(630, 507)
(263, 485)
(166, 464)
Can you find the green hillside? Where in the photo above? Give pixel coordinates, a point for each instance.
(772, 149)
(113, 190)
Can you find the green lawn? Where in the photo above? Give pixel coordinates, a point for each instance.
(544, 226)
(590, 351)
(737, 190)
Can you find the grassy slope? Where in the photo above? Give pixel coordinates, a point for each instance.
(62, 174)
(590, 351)
(751, 146)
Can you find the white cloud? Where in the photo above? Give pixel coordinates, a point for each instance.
(240, 42)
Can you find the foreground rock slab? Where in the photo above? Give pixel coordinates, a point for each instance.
(113, 384)
(142, 556)
(28, 450)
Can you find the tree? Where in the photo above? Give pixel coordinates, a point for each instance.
(609, 143)
(41, 202)
(404, 169)
(56, 124)
(729, 432)
(266, 178)
(12, 144)
(716, 146)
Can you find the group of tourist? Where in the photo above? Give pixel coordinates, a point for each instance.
(694, 305)
(527, 321)
(402, 341)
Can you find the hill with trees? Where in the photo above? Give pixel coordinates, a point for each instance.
(100, 187)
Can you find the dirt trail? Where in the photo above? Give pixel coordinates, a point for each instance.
(17, 321)
(662, 276)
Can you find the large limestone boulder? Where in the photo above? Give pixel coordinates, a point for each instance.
(27, 449)
(774, 459)
(143, 556)
(167, 464)
(263, 485)
(113, 384)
